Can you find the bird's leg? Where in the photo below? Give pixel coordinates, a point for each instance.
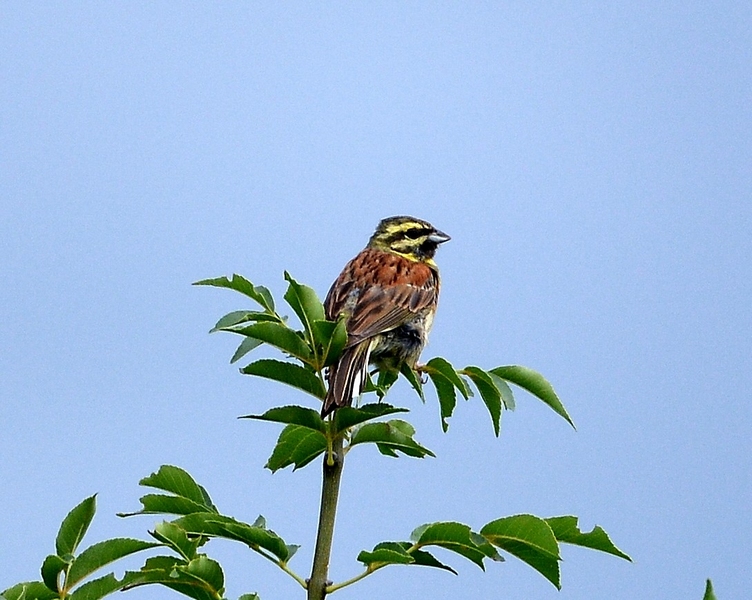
(421, 371)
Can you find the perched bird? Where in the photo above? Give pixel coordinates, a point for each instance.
(388, 294)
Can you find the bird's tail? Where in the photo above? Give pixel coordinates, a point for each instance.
(347, 378)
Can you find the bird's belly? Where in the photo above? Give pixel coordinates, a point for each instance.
(401, 344)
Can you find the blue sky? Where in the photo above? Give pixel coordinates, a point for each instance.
(592, 165)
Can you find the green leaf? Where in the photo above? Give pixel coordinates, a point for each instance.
(386, 553)
(536, 384)
(292, 415)
(237, 317)
(347, 416)
(296, 446)
(488, 392)
(178, 481)
(709, 593)
(289, 373)
(29, 590)
(103, 553)
(396, 435)
(567, 530)
(74, 526)
(386, 379)
(160, 504)
(507, 397)
(306, 304)
(332, 336)
(240, 284)
(414, 380)
(201, 578)
(176, 538)
(453, 536)
(530, 539)
(445, 390)
(207, 570)
(97, 588)
(244, 348)
(249, 597)
(426, 559)
(443, 366)
(257, 537)
(52, 566)
(280, 336)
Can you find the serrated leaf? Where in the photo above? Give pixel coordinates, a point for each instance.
(566, 530)
(254, 536)
(453, 536)
(296, 446)
(507, 396)
(52, 566)
(160, 504)
(488, 392)
(292, 415)
(396, 435)
(176, 538)
(536, 384)
(289, 373)
(348, 416)
(426, 559)
(709, 593)
(195, 579)
(445, 391)
(29, 590)
(444, 367)
(244, 348)
(74, 526)
(280, 336)
(103, 553)
(257, 537)
(97, 588)
(236, 317)
(207, 570)
(306, 304)
(387, 553)
(386, 379)
(530, 539)
(332, 337)
(414, 379)
(240, 284)
(178, 481)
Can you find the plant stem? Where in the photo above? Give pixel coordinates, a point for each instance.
(329, 496)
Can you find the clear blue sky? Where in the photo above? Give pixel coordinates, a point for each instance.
(593, 165)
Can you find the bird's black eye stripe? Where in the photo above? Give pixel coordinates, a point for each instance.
(415, 233)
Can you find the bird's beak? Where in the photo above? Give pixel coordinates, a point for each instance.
(438, 237)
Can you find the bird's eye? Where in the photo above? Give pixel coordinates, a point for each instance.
(414, 234)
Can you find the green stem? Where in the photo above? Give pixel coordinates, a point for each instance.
(329, 495)
(363, 575)
(282, 565)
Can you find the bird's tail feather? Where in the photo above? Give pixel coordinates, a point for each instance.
(347, 378)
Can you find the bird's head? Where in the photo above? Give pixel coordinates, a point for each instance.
(409, 237)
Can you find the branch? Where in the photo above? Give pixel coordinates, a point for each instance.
(333, 463)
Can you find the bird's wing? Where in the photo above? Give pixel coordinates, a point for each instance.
(380, 291)
(380, 309)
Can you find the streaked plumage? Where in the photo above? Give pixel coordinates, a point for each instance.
(388, 293)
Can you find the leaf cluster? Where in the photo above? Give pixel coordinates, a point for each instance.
(531, 539)
(182, 563)
(319, 343)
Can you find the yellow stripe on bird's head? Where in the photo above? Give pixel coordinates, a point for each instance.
(412, 238)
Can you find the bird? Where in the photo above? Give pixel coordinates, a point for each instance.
(387, 295)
